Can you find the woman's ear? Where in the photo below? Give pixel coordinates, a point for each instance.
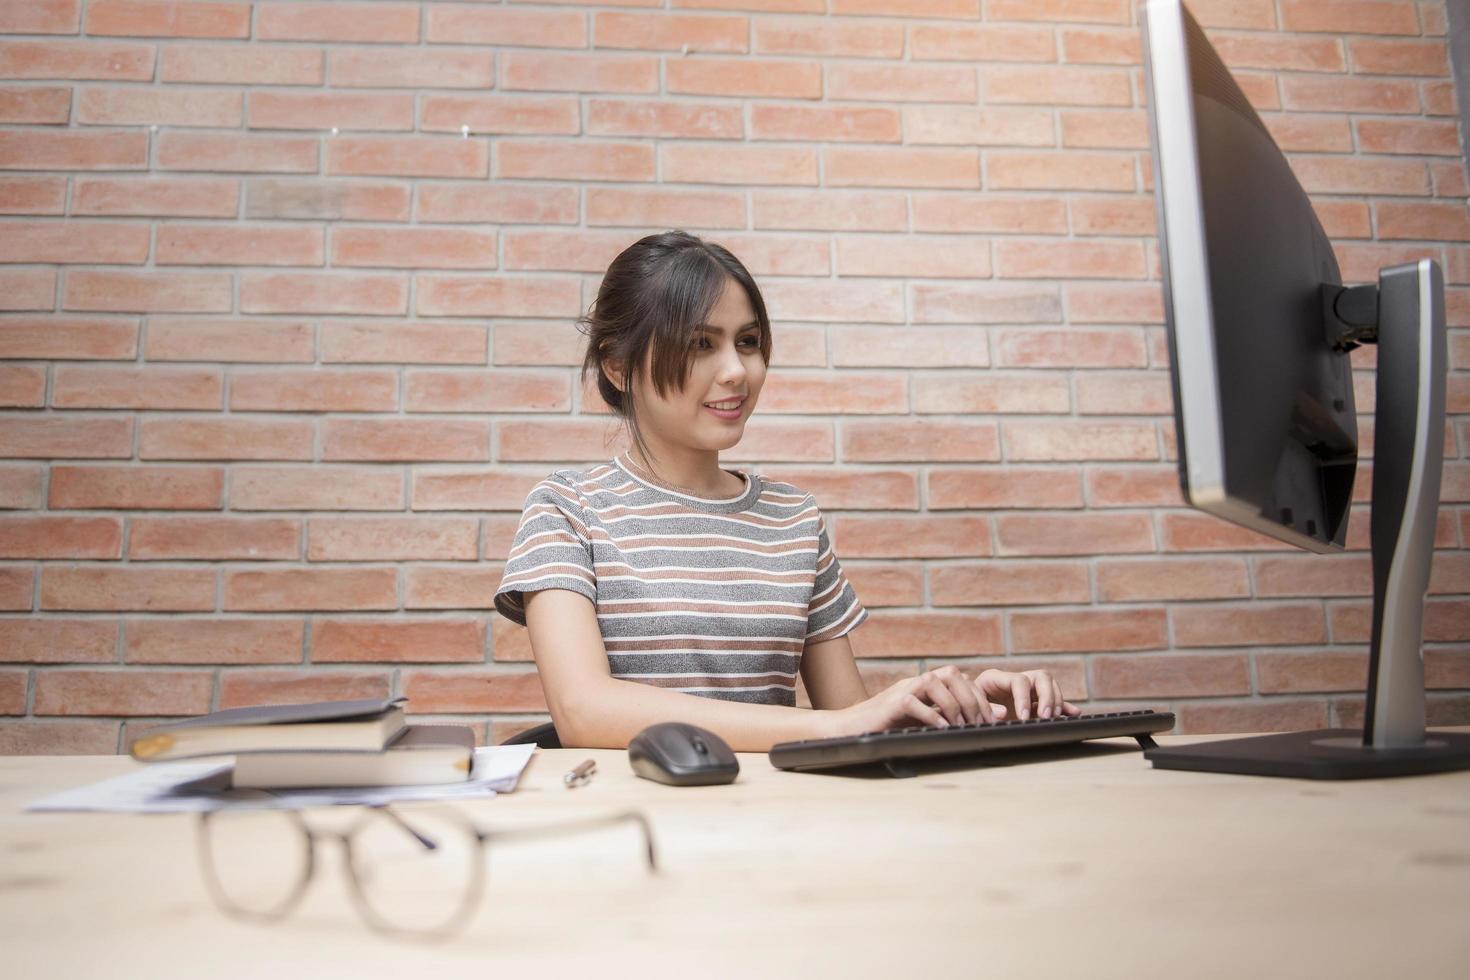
(614, 373)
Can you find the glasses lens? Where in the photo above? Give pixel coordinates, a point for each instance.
(417, 870)
(257, 861)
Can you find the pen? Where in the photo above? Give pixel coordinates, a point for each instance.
(581, 774)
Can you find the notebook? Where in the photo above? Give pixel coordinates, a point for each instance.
(420, 754)
(366, 724)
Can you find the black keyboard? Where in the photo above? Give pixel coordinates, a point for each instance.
(899, 748)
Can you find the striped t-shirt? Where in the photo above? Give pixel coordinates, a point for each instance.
(715, 597)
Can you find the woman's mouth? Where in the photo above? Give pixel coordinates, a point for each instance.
(729, 409)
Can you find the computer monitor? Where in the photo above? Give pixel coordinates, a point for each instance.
(1260, 327)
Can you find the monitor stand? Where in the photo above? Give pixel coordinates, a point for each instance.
(1405, 316)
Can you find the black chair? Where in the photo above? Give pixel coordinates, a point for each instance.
(542, 736)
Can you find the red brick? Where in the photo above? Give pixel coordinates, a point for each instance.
(872, 124)
(398, 641)
(58, 737)
(1172, 578)
(912, 537)
(1019, 394)
(332, 200)
(243, 152)
(119, 692)
(404, 343)
(225, 438)
(807, 393)
(152, 18)
(697, 163)
(135, 487)
(1074, 534)
(1338, 94)
(1344, 219)
(1244, 625)
(473, 690)
(233, 339)
(22, 386)
(214, 641)
(442, 391)
(1424, 222)
(1070, 347)
(27, 289)
(990, 303)
(378, 23)
(446, 295)
(408, 68)
(184, 197)
(1378, 57)
(71, 241)
(237, 244)
(1088, 630)
(391, 539)
(1316, 671)
(331, 111)
(451, 23)
(20, 487)
(934, 634)
(1350, 16)
(1299, 132)
(827, 210)
(32, 195)
(1069, 260)
(1010, 487)
(858, 489)
(755, 78)
(214, 539)
(966, 126)
(1085, 11)
(1052, 86)
(638, 207)
(583, 73)
(883, 583)
(1196, 675)
(304, 589)
(1439, 98)
(935, 347)
(41, 17)
(1326, 175)
(35, 105)
(163, 107)
(501, 114)
(1069, 170)
(562, 250)
(70, 437)
(1008, 583)
(1076, 440)
(314, 391)
(980, 43)
(459, 587)
(870, 255)
(770, 255)
(1411, 136)
(554, 440)
(657, 32)
(1104, 129)
(1281, 53)
(13, 685)
(900, 167)
(1270, 715)
(489, 203)
(76, 60)
(408, 156)
(1102, 46)
(254, 64)
(51, 640)
(826, 37)
(911, 8)
(72, 150)
(406, 440)
(86, 386)
(239, 689)
(1112, 216)
(1107, 393)
(127, 588)
(315, 487)
(322, 292)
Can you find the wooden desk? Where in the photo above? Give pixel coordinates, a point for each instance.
(1084, 860)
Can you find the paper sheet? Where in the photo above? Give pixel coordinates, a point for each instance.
(190, 787)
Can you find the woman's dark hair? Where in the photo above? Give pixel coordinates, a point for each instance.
(653, 296)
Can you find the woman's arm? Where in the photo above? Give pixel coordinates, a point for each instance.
(831, 676)
(593, 709)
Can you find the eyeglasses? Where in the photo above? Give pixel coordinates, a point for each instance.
(418, 876)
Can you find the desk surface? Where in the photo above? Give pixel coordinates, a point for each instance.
(1084, 859)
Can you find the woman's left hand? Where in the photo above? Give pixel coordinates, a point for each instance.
(1018, 693)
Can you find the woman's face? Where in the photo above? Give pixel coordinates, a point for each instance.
(727, 368)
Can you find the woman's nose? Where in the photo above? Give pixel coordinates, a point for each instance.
(732, 367)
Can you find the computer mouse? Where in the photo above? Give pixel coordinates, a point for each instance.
(681, 754)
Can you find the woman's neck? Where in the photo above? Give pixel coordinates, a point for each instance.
(694, 472)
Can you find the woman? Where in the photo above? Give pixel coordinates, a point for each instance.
(660, 574)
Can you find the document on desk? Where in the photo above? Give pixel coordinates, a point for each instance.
(190, 787)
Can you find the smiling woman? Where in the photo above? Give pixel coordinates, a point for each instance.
(660, 574)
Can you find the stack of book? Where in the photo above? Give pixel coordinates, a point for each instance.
(327, 743)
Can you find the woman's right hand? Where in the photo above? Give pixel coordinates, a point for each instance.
(936, 698)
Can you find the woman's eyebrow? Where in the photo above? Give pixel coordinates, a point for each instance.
(708, 328)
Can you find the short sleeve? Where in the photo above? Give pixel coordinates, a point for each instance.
(834, 610)
(551, 550)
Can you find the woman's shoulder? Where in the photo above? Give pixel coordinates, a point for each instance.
(571, 485)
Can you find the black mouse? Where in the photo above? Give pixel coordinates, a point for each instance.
(680, 754)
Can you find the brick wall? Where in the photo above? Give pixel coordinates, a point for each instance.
(289, 292)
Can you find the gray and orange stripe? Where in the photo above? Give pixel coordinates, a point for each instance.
(715, 598)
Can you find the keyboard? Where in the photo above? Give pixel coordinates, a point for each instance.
(898, 749)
